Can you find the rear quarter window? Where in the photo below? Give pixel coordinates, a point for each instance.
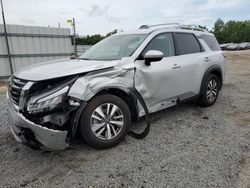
(186, 43)
(211, 42)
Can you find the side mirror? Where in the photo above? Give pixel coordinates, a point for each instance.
(152, 56)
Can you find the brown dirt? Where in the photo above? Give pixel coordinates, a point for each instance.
(244, 175)
(239, 72)
(2, 84)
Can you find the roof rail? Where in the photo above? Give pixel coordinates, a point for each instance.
(176, 26)
(192, 27)
(164, 24)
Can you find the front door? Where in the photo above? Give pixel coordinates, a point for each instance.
(160, 82)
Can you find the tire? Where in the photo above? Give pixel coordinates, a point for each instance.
(209, 91)
(105, 121)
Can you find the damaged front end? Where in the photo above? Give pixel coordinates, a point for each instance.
(41, 113)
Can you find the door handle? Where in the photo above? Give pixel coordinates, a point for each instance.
(206, 59)
(175, 66)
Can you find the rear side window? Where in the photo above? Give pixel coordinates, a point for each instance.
(211, 42)
(164, 43)
(186, 43)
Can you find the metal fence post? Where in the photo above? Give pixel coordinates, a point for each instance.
(74, 36)
(6, 40)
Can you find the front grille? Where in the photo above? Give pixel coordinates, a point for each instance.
(15, 86)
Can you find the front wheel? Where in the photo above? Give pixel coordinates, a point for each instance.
(209, 91)
(105, 121)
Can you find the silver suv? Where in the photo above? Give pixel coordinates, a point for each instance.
(116, 82)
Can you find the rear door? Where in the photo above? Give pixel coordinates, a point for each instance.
(190, 58)
(214, 55)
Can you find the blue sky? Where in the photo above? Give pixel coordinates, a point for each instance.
(103, 16)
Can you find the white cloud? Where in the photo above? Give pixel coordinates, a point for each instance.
(211, 5)
(97, 16)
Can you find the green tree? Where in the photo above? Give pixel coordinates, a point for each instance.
(93, 39)
(218, 30)
(89, 40)
(203, 27)
(232, 31)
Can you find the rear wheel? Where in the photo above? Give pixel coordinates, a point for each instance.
(209, 91)
(105, 121)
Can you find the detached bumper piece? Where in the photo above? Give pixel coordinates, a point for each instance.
(33, 135)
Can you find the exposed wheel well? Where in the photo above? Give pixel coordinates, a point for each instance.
(128, 98)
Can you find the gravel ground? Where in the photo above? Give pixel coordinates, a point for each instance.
(188, 146)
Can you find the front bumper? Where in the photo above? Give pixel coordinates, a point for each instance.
(28, 133)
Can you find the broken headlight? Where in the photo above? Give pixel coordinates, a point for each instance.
(47, 101)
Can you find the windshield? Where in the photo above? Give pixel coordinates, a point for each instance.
(114, 47)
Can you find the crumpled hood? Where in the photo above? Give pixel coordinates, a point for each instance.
(60, 68)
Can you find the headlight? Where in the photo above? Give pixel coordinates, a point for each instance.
(47, 101)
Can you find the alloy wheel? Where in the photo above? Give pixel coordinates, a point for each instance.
(212, 90)
(107, 121)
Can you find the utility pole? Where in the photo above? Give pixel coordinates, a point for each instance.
(74, 36)
(6, 39)
(73, 24)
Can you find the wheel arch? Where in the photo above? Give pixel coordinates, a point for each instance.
(123, 93)
(215, 69)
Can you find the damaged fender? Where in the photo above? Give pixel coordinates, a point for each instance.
(90, 84)
(96, 81)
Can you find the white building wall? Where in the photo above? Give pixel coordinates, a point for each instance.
(30, 44)
(82, 48)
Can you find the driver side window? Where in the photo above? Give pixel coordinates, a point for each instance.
(164, 43)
